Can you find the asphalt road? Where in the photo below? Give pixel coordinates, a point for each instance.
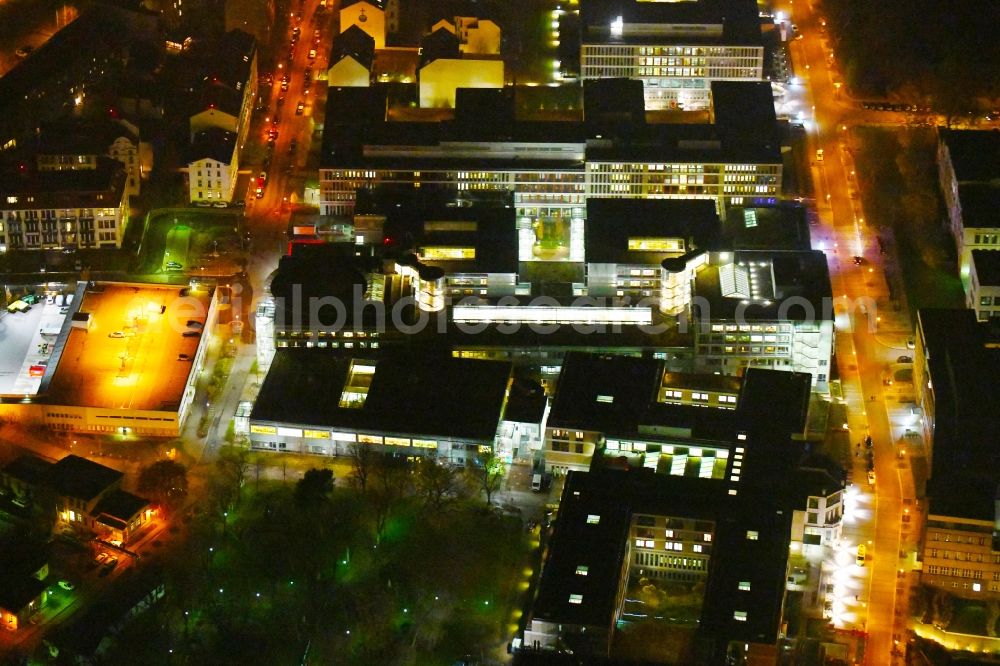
(29, 23)
(871, 329)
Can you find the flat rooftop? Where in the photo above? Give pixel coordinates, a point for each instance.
(987, 263)
(975, 154)
(979, 203)
(615, 228)
(431, 395)
(761, 281)
(127, 356)
(604, 393)
(644, 22)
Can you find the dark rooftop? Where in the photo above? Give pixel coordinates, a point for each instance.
(980, 203)
(651, 22)
(356, 43)
(783, 275)
(17, 593)
(222, 98)
(96, 31)
(774, 402)
(782, 227)
(526, 403)
(328, 270)
(121, 505)
(592, 530)
(975, 154)
(742, 134)
(442, 43)
(604, 393)
(987, 265)
(29, 469)
(213, 143)
(963, 358)
(80, 478)
(77, 137)
(612, 222)
(417, 221)
(102, 187)
(429, 395)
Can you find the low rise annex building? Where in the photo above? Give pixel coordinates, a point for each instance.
(404, 404)
(125, 362)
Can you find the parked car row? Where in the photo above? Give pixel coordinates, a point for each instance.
(887, 106)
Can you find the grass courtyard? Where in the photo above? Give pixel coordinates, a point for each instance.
(184, 241)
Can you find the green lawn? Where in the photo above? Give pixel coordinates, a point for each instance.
(187, 236)
(177, 244)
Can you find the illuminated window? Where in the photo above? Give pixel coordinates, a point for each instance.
(576, 598)
(744, 585)
(740, 616)
(581, 570)
(593, 519)
(651, 244)
(752, 535)
(448, 253)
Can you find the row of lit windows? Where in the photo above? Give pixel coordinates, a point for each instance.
(958, 538)
(332, 334)
(958, 555)
(958, 573)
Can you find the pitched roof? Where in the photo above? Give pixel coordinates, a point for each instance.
(214, 143)
(121, 505)
(355, 43)
(80, 478)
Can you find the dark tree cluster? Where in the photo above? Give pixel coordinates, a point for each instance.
(941, 53)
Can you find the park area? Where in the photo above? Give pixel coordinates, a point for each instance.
(900, 193)
(399, 563)
(191, 242)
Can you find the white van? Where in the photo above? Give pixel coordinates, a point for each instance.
(536, 483)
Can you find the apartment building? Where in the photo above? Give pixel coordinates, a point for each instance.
(228, 86)
(213, 166)
(956, 362)
(60, 74)
(961, 556)
(968, 173)
(57, 209)
(677, 49)
(982, 293)
(76, 145)
(552, 166)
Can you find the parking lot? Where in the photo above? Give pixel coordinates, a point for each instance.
(24, 350)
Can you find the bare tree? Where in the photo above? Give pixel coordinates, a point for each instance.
(362, 461)
(390, 482)
(487, 472)
(234, 464)
(436, 483)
